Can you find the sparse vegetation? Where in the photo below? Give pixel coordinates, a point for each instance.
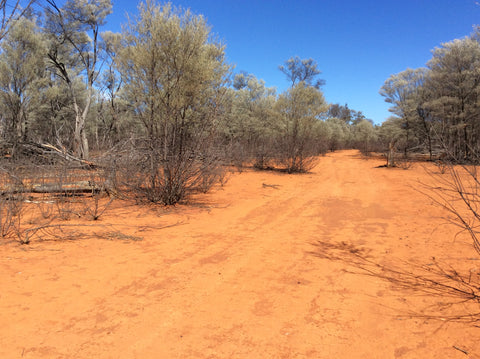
(335, 241)
(156, 114)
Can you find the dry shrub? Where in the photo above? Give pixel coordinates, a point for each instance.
(404, 163)
(142, 174)
(12, 199)
(49, 192)
(458, 192)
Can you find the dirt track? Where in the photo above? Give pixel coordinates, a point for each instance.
(242, 273)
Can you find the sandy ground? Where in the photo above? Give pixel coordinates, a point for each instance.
(247, 271)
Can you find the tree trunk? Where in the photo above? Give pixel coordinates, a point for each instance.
(391, 154)
(80, 141)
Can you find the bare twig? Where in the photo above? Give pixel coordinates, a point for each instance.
(460, 349)
(275, 186)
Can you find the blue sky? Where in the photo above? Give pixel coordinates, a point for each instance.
(357, 44)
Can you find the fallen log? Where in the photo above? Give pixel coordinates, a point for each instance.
(66, 188)
(73, 188)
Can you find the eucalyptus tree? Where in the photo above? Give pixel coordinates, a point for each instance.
(302, 70)
(391, 134)
(423, 125)
(55, 118)
(300, 110)
(174, 75)
(11, 11)
(22, 68)
(252, 121)
(403, 92)
(364, 135)
(341, 112)
(73, 31)
(113, 121)
(454, 80)
(438, 105)
(339, 133)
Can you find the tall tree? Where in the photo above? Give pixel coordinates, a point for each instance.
(22, 70)
(74, 52)
(10, 11)
(174, 75)
(402, 92)
(252, 120)
(454, 79)
(339, 133)
(425, 127)
(55, 118)
(302, 70)
(341, 112)
(300, 109)
(112, 120)
(364, 135)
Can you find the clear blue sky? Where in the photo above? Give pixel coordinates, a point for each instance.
(357, 44)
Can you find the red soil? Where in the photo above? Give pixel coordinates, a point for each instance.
(245, 272)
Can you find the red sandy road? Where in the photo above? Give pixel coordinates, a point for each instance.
(236, 278)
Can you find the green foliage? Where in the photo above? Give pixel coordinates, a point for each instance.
(173, 76)
(54, 114)
(404, 92)
(391, 131)
(438, 106)
(300, 109)
(302, 70)
(251, 122)
(22, 69)
(454, 80)
(155, 100)
(10, 12)
(347, 115)
(74, 50)
(338, 133)
(365, 135)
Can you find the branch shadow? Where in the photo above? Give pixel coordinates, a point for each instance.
(457, 294)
